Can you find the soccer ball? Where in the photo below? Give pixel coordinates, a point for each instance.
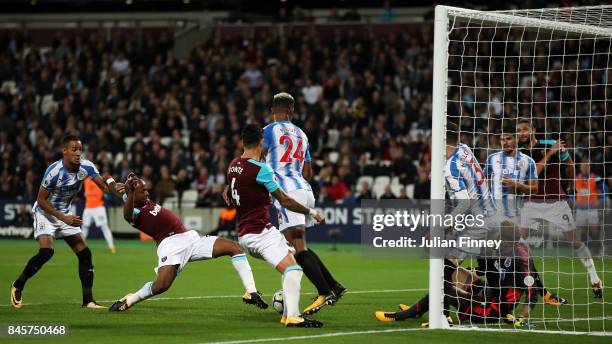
(277, 302)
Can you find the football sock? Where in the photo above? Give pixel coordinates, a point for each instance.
(32, 267)
(142, 294)
(241, 264)
(284, 301)
(419, 308)
(586, 258)
(309, 263)
(331, 281)
(86, 274)
(291, 290)
(108, 236)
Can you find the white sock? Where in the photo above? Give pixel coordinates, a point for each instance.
(108, 236)
(284, 302)
(291, 290)
(144, 293)
(241, 264)
(586, 258)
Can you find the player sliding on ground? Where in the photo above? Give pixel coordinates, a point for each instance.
(250, 184)
(53, 220)
(288, 153)
(176, 246)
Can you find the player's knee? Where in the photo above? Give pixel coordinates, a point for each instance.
(160, 287)
(84, 256)
(236, 249)
(45, 254)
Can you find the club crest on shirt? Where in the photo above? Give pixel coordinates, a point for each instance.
(81, 174)
(164, 259)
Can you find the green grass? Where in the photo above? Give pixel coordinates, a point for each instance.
(53, 297)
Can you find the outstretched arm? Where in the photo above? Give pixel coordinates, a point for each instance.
(109, 186)
(128, 206)
(293, 205)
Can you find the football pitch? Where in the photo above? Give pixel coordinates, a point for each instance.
(204, 305)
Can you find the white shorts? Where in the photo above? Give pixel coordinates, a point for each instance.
(45, 224)
(288, 219)
(558, 213)
(269, 245)
(181, 248)
(587, 217)
(95, 215)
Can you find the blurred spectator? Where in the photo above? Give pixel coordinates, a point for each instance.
(422, 188)
(165, 187)
(312, 93)
(387, 14)
(337, 190)
(388, 194)
(203, 184)
(365, 193)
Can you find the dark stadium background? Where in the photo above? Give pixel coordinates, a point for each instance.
(167, 99)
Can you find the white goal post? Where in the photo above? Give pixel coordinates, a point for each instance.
(537, 28)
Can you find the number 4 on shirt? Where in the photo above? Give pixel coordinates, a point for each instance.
(297, 154)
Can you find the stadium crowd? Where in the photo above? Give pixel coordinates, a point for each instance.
(363, 100)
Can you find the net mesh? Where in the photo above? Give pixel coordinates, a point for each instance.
(551, 67)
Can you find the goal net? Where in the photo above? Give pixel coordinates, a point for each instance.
(543, 79)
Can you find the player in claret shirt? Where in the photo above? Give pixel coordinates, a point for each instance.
(250, 184)
(550, 202)
(176, 246)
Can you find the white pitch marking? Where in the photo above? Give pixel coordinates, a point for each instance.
(233, 296)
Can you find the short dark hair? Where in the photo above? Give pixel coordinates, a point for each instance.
(251, 135)
(283, 100)
(452, 133)
(69, 138)
(508, 130)
(524, 120)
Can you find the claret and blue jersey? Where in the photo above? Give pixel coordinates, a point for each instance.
(288, 150)
(63, 184)
(250, 184)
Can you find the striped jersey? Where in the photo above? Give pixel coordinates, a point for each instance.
(63, 185)
(519, 167)
(463, 172)
(288, 150)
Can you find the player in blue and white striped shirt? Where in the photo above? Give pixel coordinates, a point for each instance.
(465, 180)
(511, 173)
(52, 218)
(287, 152)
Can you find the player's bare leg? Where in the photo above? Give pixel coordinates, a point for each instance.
(165, 277)
(224, 247)
(291, 279)
(86, 269)
(328, 289)
(583, 252)
(45, 252)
